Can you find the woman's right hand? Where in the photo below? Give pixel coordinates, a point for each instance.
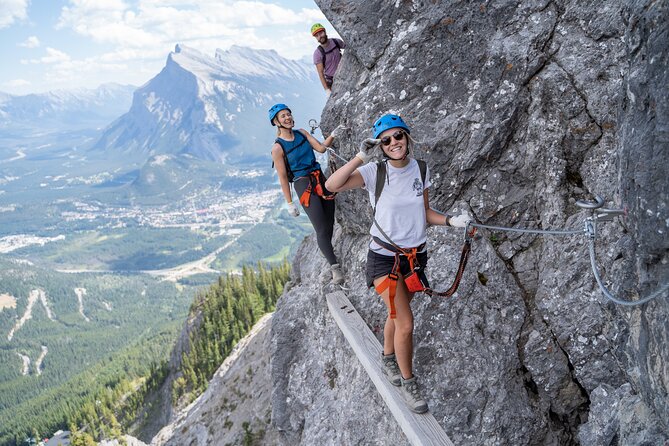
(367, 149)
(293, 210)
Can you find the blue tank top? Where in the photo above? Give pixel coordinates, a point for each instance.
(299, 155)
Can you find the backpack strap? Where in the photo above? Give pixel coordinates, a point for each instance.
(422, 166)
(320, 48)
(380, 181)
(324, 53)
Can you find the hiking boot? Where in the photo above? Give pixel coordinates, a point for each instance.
(337, 274)
(391, 369)
(411, 394)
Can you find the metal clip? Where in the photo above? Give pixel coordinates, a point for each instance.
(469, 233)
(605, 214)
(314, 125)
(598, 203)
(590, 228)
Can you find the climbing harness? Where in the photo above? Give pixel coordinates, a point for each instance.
(316, 185)
(416, 281)
(598, 214)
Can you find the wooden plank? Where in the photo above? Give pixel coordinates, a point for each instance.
(420, 429)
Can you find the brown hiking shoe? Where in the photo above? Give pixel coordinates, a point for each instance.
(411, 394)
(391, 369)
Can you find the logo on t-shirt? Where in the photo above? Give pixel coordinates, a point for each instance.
(418, 186)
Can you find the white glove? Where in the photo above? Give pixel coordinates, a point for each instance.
(328, 92)
(367, 149)
(460, 221)
(293, 210)
(336, 133)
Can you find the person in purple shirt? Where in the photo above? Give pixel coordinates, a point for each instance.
(326, 56)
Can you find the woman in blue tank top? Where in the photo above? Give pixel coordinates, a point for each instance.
(295, 162)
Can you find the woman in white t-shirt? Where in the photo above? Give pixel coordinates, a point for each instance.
(398, 238)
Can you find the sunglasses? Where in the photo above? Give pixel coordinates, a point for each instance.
(398, 135)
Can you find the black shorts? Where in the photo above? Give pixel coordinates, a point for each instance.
(379, 265)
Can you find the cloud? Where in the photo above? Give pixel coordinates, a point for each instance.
(53, 56)
(78, 71)
(31, 42)
(163, 23)
(14, 83)
(137, 35)
(12, 10)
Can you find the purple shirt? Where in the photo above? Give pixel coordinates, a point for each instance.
(332, 56)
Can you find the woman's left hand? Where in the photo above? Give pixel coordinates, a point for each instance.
(460, 221)
(336, 133)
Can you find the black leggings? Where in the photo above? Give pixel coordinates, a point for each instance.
(321, 214)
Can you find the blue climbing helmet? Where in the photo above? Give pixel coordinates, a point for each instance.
(276, 108)
(389, 121)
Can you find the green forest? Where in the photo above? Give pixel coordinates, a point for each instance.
(126, 360)
(125, 323)
(228, 311)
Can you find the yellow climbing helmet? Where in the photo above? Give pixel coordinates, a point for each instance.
(316, 28)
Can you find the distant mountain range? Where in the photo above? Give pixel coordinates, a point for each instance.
(65, 109)
(214, 108)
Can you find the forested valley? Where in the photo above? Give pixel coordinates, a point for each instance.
(97, 371)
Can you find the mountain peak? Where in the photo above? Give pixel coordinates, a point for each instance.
(210, 106)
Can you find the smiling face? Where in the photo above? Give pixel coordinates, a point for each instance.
(394, 143)
(321, 36)
(285, 119)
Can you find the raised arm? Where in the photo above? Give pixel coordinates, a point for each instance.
(316, 144)
(346, 177)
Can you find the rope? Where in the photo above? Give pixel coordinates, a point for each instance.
(331, 150)
(591, 232)
(529, 231)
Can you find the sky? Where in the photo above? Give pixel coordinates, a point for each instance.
(67, 44)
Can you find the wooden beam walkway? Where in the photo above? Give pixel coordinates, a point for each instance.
(420, 429)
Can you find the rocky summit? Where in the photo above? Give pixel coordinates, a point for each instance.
(520, 109)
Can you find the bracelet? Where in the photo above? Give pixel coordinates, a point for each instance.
(447, 222)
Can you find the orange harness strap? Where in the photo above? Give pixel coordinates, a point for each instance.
(390, 282)
(315, 185)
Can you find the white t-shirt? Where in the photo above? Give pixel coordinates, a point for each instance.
(401, 209)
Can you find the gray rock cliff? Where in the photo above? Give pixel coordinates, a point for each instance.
(520, 109)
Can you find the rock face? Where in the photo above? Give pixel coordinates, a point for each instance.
(235, 407)
(520, 109)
